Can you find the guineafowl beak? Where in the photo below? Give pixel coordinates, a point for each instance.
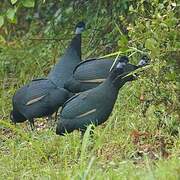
(143, 62)
(60, 130)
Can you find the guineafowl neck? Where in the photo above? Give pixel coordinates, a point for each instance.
(75, 45)
(64, 67)
(119, 81)
(109, 86)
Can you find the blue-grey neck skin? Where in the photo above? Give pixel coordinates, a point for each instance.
(142, 62)
(79, 30)
(64, 68)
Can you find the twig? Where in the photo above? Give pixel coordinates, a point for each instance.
(47, 39)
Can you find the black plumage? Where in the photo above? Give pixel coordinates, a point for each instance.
(39, 98)
(90, 73)
(95, 105)
(43, 97)
(63, 70)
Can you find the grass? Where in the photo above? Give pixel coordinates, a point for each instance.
(132, 144)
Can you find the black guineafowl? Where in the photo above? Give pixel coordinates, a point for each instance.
(95, 105)
(38, 99)
(90, 73)
(43, 97)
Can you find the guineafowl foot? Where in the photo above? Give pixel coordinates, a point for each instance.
(13, 123)
(56, 115)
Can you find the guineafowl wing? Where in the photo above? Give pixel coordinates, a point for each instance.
(79, 105)
(89, 74)
(93, 69)
(37, 90)
(32, 99)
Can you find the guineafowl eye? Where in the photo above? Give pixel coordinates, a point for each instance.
(80, 27)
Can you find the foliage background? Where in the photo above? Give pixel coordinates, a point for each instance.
(141, 138)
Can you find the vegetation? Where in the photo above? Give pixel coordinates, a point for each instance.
(141, 138)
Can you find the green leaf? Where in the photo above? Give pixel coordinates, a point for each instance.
(1, 21)
(171, 76)
(2, 40)
(177, 45)
(69, 10)
(151, 44)
(123, 41)
(13, 2)
(11, 15)
(28, 3)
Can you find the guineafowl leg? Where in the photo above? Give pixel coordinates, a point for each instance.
(15, 124)
(56, 115)
(31, 122)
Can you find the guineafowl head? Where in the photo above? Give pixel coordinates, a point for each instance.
(13, 117)
(80, 27)
(118, 68)
(16, 117)
(143, 61)
(123, 60)
(119, 74)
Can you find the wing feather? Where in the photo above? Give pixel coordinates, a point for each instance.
(35, 100)
(78, 106)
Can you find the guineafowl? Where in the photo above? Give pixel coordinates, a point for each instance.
(42, 97)
(39, 98)
(95, 105)
(90, 73)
